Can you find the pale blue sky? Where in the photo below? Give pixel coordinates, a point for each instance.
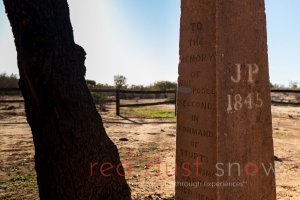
(139, 39)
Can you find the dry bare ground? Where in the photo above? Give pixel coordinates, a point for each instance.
(143, 143)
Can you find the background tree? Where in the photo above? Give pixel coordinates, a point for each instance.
(9, 81)
(294, 84)
(165, 85)
(277, 86)
(91, 83)
(69, 138)
(120, 81)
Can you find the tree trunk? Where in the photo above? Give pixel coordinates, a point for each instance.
(70, 141)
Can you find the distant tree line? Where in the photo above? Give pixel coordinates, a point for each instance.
(120, 82)
(9, 81)
(292, 85)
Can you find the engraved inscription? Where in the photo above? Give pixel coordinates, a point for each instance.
(195, 42)
(195, 168)
(207, 91)
(184, 82)
(195, 131)
(193, 155)
(195, 104)
(196, 58)
(196, 26)
(236, 102)
(252, 70)
(195, 118)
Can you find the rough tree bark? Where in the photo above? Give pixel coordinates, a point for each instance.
(67, 130)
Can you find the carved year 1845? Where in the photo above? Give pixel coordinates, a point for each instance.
(237, 102)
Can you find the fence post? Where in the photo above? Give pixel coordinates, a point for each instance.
(118, 101)
(175, 93)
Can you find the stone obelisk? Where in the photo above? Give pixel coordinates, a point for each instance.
(224, 146)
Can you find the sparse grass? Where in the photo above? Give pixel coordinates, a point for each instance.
(155, 147)
(280, 133)
(149, 112)
(19, 186)
(279, 115)
(138, 153)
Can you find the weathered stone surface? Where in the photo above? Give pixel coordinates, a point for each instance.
(224, 129)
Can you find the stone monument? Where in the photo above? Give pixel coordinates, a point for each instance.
(224, 145)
